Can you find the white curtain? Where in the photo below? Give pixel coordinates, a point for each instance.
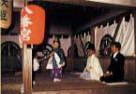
(77, 41)
(126, 36)
(88, 37)
(112, 28)
(65, 44)
(82, 39)
(99, 33)
(85, 38)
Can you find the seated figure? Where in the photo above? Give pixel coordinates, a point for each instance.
(115, 71)
(93, 70)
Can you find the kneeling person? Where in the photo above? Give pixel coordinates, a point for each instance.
(93, 70)
(115, 72)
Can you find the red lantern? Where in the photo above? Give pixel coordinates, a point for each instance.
(32, 24)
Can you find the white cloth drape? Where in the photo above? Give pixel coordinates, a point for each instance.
(126, 36)
(88, 37)
(99, 33)
(85, 38)
(82, 39)
(65, 44)
(112, 28)
(50, 62)
(77, 41)
(35, 64)
(80, 42)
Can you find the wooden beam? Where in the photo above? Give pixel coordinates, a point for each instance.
(101, 19)
(92, 33)
(127, 3)
(0, 60)
(134, 14)
(131, 3)
(27, 67)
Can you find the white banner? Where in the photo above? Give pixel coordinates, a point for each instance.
(5, 13)
(126, 37)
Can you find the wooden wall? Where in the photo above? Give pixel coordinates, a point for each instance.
(59, 29)
(78, 64)
(13, 38)
(130, 67)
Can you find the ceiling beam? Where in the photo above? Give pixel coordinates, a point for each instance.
(131, 3)
(99, 20)
(95, 3)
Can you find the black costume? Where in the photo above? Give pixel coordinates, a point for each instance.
(117, 69)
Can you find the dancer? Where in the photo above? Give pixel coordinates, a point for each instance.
(56, 61)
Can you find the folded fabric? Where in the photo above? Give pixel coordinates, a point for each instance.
(49, 64)
(58, 60)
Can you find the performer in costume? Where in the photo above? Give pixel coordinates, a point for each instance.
(56, 61)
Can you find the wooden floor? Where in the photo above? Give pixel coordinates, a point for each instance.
(70, 84)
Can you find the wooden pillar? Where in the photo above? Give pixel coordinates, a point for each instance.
(134, 14)
(27, 70)
(0, 61)
(27, 66)
(92, 33)
(72, 58)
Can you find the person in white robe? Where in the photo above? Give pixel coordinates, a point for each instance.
(93, 70)
(36, 67)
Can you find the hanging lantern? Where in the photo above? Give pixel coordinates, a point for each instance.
(5, 13)
(32, 24)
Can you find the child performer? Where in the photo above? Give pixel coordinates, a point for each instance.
(36, 66)
(56, 61)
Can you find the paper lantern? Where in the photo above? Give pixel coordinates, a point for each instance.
(32, 24)
(5, 13)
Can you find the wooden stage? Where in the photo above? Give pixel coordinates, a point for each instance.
(70, 84)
